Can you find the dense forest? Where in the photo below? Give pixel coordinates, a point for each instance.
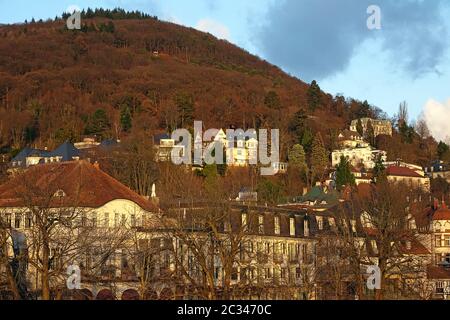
(128, 73)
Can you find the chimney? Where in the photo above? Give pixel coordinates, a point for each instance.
(96, 165)
(436, 204)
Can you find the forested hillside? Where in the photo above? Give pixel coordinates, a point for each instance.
(127, 73)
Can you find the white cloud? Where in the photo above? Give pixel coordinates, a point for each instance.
(437, 116)
(214, 27)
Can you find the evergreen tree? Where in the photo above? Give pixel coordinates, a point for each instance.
(272, 101)
(443, 151)
(297, 157)
(298, 124)
(360, 128)
(319, 158)
(307, 139)
(370, 133)
(344, 175)
(126, 119)
(98, 123)
(313, 96)
(379, 170)
(185, 107)
(269, 192)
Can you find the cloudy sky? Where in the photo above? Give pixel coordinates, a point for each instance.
(327, 40)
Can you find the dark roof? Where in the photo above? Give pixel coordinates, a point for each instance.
(162, 136)
(317, 194)
(83, 184)
(109, 143)
(27, 151)
(67, 151)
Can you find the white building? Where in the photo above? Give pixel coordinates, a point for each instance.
(360, 156)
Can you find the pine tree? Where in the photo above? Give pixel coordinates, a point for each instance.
(185, 107)
(297, 157)
(360, 128)
(319, 158)
(313, 96)
(98, 124)
(379, 170)
(370, 133)
(272, 101)
(297, 125)
(344, 175)
(125, 119)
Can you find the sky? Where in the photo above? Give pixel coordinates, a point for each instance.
(406, 59)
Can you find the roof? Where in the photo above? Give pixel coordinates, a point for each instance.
(402, 172)
(27, 151)
(67, 151)
(108, 143)
(350, 135)
(438, 272)
(83, 184)
(157, 138)
(416, 248)
(443, 213)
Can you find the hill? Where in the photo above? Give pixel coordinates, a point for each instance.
(118, 76)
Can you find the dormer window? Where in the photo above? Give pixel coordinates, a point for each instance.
(319, 222)
(59, 193)
(277, 225)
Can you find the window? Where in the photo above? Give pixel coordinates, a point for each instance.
(17, 220)
(28, 220)
(261, 224)
(267, 245)
(83, 220)
(331, 222)
(440, 287)
(226, 226)
(94, 220)
(320, 223)
(277, 225)
(268, 273)
(106, 221)
(373, 243)
(306, 227)
(234, 274)
(244, 221)
(447, 240)
(124, 220)
(283, 273)
(8, 220)
(116, 220)
(438, 241)
(298, 273)
(133, 220)
(292, 227)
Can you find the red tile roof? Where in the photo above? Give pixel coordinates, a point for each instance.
(416, 248)
(83, 184)
(438, 273)
(443, 213)
(402, 172)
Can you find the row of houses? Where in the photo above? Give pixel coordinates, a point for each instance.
(127, 243)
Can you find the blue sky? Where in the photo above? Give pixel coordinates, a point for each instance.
(408, 59)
